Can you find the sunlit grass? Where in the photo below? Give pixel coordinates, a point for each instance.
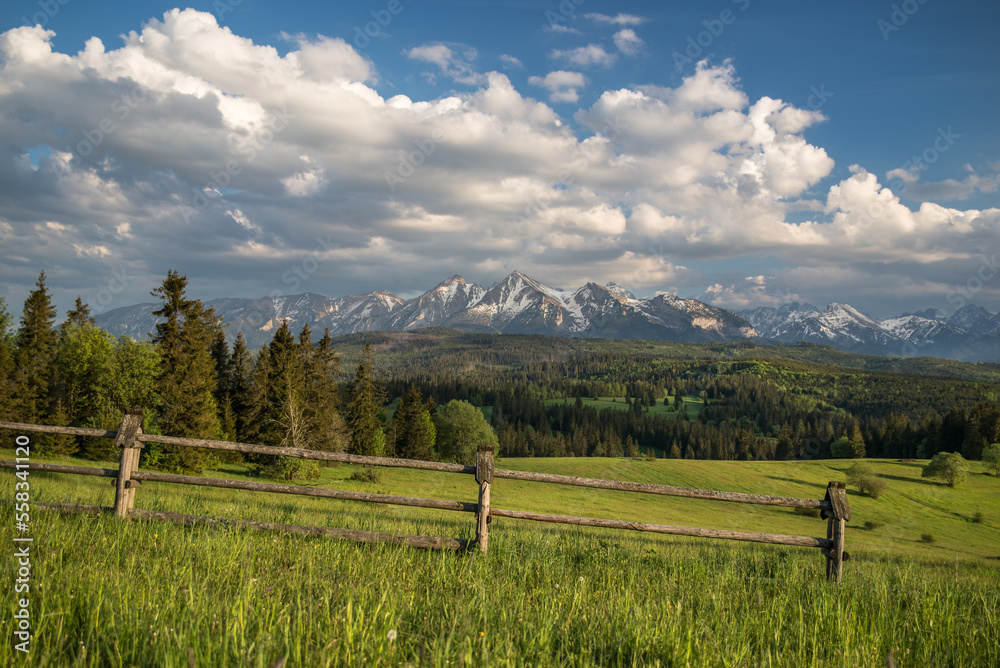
(109, 592)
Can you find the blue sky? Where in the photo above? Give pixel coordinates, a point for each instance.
(744, 153)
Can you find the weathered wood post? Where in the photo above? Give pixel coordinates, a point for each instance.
(125, 487)
(836, 494)
(484, 476)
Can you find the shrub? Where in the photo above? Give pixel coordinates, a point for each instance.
(977, 518)
(367, 474)
(950, 466)
(864, 478)
(927, 538)
(872, 525)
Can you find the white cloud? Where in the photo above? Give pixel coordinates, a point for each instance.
(585, 56)
(455, 63)
(628, 42)
(562, 85)
(511, 60)
(617, 20)
(560, 28)
(948, 189)
(206, 133)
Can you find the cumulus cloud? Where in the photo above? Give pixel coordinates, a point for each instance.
(628, 42)
(562, 85)
(585, 56)
(189, 147)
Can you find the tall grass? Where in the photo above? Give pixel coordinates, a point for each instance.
(124, 593)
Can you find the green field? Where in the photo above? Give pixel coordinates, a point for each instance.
(107, 592)
(694, 405)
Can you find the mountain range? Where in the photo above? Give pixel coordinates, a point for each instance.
(521, 305)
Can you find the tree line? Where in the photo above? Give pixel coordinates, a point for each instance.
(191, 383)
(539, 393)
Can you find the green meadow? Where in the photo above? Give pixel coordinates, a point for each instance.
(106, 592)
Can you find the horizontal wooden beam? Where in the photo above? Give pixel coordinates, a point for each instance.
(665, 490)
(226, 483)
(301, 453)
(62, 468)
(46, 429)
(775, 539)
(427, 542)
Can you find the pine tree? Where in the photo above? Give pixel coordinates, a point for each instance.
(367, 397)
(35, 348)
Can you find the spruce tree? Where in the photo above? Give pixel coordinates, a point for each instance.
(35, 348)
(367, 397)
(240, 387)
(415, 432)
(187, 382)
(322, 368)
(7, 357)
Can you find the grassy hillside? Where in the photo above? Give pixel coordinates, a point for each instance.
(106, 592)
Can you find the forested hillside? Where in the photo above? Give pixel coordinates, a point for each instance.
(415, 394)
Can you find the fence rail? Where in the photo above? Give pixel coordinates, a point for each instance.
(127, 480)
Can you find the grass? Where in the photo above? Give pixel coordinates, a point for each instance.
(106, 592)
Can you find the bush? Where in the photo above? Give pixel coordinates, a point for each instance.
(950, 466)
(872, 525)
(367, 474)
(927, 538)
(991, 457)
(864, 478)
(977, 518)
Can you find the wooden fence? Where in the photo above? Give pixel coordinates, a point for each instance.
(130, 438)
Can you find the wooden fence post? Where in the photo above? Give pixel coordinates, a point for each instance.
(836, 494)
(125, 486)
(484, 476)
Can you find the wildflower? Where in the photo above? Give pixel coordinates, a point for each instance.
(391, 635)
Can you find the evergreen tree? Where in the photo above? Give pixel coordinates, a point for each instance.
(79, 315)
(322, 393)
(7, 357)
(35, 348)
(415, 432)
(240, 388)
(187, 382)
(367, 397)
